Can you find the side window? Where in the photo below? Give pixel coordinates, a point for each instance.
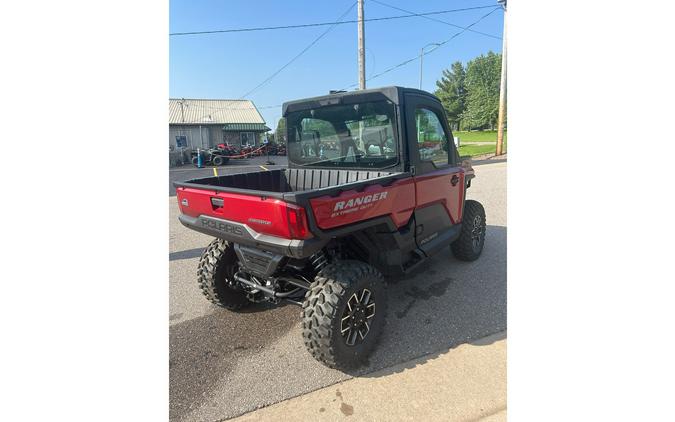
(431, 139)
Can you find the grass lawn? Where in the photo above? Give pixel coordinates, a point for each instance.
(468, 149)
(478, 136)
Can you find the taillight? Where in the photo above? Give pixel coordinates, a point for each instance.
(297, 222)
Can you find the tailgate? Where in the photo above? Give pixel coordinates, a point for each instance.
(261, 214)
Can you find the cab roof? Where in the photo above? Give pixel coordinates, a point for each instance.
(392, 93)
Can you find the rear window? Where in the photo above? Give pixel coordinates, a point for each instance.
(356, 135)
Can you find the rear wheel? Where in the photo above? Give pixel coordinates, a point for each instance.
(194, 161)
(344, 313)
(218, 160)
(469, 245)
(215, 275)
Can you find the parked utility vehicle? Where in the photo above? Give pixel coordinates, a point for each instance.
(357, 203)
(212, 156)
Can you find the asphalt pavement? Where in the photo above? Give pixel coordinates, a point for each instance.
(224, 364)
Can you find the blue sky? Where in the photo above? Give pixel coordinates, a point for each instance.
(226, 66)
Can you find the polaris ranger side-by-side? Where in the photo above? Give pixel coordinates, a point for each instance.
(373, 188)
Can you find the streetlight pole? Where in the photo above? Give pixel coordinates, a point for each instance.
(422, 60)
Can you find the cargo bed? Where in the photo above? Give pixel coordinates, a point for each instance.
(288, 210)
(288, 183)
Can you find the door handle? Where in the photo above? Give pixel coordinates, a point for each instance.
(454, 180)
(217, 203)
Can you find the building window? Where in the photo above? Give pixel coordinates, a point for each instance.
(247, 138)
(181, 141)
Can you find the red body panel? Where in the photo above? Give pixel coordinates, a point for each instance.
(246, 209)
(436, 186)
(271, 216)
(396, 200)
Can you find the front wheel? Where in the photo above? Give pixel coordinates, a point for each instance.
(343, 314)
(218, 160)
(469, 245)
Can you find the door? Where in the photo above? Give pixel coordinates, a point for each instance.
(439, 180)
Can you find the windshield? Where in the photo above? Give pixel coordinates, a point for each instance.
(354, 135)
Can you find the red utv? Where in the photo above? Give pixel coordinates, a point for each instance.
(358, 203)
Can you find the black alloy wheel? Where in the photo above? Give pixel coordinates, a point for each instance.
(357, 316)
(341, 323)
(469, 245)
(477, 233)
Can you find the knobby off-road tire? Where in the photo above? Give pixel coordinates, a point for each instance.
(469, 245)
(324, 307)
(194, 161)
(215, 272)
(218, 160)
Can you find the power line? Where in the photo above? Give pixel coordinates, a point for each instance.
(428, 52)
(340, 21)
(464, 29)
(269, 78)
(424, 15)
(308, 25)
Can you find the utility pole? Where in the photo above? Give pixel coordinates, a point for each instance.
(502, 90)
(362, 48)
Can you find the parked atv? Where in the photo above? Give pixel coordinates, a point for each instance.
(211, 156)
(327, 231)
(228, 149)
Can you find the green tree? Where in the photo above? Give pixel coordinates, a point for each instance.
(482, 89)
(452, 93)
(280, 132)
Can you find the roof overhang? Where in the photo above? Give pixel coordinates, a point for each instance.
(243, 127)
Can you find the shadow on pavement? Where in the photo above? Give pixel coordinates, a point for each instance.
(443, 307)
(486, 341)
(187, 254)
(204, 350)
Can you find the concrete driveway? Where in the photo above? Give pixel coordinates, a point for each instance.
(224, 364)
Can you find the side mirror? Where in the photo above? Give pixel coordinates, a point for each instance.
(465, 161)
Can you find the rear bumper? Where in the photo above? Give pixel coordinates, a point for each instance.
(242, 234)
